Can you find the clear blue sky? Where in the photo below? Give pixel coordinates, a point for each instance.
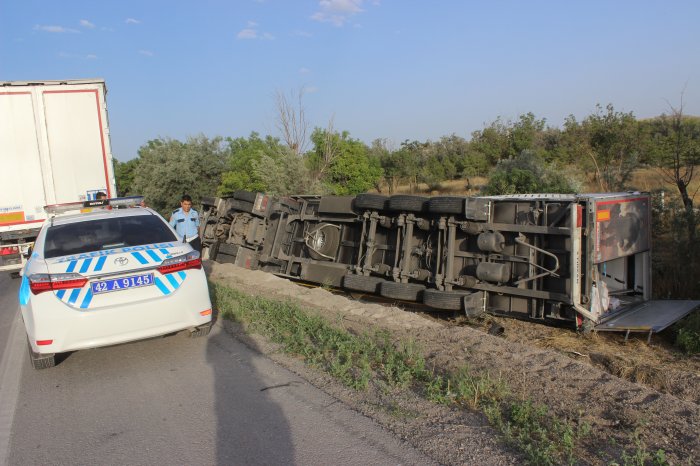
(397, 69)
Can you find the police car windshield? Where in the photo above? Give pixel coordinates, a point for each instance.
(97, 235)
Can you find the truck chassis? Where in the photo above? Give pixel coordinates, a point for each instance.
(578, 260)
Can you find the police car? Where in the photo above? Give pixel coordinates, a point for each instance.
(101, 274)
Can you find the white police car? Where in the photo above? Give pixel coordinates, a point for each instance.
(109, 275)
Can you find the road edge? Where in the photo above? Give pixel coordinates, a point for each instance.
(10, 370)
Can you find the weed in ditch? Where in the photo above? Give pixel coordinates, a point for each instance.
(356, 359)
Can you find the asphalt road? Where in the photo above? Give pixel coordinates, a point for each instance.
(173, 400)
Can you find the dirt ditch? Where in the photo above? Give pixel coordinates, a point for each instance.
(633, 395)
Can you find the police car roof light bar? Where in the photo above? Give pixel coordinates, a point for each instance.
(130, 201)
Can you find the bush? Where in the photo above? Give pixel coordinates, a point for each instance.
(528, 173)
(688, 336)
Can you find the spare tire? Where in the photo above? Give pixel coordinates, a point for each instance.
(406, 203)
(370, 202)
(327, 239)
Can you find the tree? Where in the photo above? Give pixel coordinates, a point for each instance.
(675, 150)
(380, 154)
(342, 164)
(291, 120)
(124, 173)
(284, 173)
(168, 168)
(242, 156)
(613, 146)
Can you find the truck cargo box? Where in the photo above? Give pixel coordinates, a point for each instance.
(54, 148)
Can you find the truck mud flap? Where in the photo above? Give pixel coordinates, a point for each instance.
(648, 317)
(247, 258)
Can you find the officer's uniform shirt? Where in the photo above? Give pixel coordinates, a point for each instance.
(185, 223)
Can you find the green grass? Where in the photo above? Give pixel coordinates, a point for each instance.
(358, 360)
(688, 333)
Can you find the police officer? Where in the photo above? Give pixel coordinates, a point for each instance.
(185, 221)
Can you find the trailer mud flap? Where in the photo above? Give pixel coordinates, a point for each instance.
(475, 304)
(648, 317)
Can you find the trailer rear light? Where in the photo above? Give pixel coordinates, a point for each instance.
(40, 282)
(44, 342)
(6, 251)
(190, 260)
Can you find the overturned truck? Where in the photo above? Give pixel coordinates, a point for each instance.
(582, 260)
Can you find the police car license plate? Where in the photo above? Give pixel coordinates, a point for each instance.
(118, 284)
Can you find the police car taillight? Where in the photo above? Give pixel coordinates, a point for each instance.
(40, 282)
(6, 251)
(190, 260)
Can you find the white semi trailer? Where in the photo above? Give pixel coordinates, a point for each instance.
(54, 148)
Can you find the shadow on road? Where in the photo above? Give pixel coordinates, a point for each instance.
(251, 427)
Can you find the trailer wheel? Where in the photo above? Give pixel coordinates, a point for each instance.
(323, 242)
(403, 291)
(370, 202)
(443, 299)
(247, 196)
(446, 205)
(406, 203)
(362, 283)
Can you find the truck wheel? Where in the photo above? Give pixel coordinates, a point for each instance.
(406, 203)
(370, 202)
(443, 299)
(362, 283)
(446, 205)
(40, 361)
(403, 291)
(245, 196)
(239, 206)
(325, 243)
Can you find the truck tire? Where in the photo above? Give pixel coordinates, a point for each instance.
(443, 299)
(40, 361)
(247, 196)
(370, 202)
(406, 203)
(209, 201)
(368, 284)
(403, 291)
(446, 205)
(239, 206)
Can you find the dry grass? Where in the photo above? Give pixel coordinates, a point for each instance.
(643, 179)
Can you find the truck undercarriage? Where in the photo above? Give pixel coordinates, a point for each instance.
(580, 260)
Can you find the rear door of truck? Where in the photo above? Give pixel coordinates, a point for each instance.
(22, 190)
(54, 147)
